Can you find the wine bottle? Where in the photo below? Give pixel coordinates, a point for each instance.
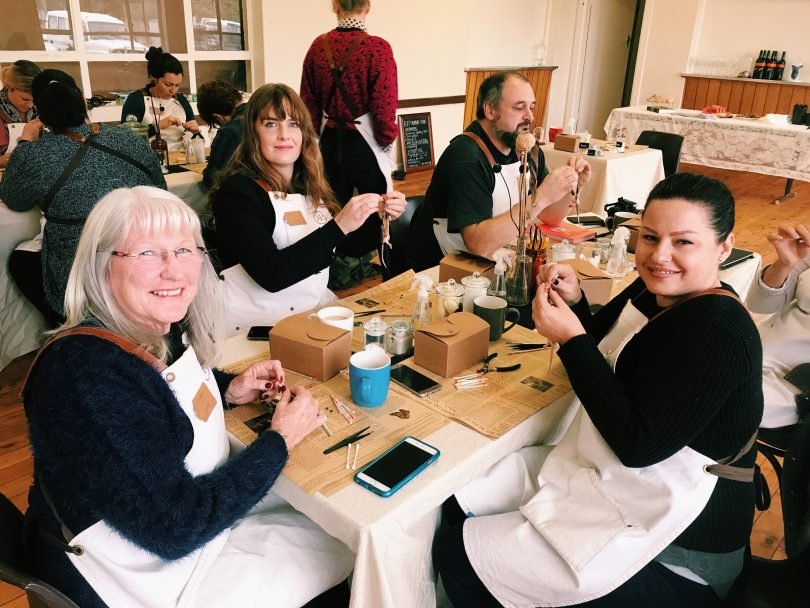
(759, 65)
(780, 67)
(770, 67)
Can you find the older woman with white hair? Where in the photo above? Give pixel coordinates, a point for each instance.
(136, 497)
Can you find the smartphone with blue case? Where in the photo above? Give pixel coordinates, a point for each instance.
(396, 467)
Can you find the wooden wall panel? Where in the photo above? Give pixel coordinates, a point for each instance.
(743, 96)
(539, 78)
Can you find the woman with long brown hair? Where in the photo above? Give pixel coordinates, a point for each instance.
(278, 223)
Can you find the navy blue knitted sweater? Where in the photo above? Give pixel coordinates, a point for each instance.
(109, 440)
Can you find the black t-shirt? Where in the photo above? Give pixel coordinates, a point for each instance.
(461, 191)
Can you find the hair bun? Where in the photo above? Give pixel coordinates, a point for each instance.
(153, 53)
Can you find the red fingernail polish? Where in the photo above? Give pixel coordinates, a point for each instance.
(268, 385)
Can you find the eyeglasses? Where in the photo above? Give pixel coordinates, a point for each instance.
(155, 258)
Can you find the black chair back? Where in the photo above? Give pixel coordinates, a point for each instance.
(669, 144)
(398, 259)
(13, 563)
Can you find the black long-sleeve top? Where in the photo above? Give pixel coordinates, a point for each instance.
(692, 377)
(245, 221)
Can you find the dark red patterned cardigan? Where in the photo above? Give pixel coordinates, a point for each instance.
(370, 79)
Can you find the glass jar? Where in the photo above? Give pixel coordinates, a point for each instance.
(399, 338)
(474, 285)
(563, 251)
(449, 298)
(374, 333)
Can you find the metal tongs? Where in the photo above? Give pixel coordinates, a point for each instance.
(385, 238)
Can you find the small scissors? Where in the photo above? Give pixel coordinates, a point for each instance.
(504, 368)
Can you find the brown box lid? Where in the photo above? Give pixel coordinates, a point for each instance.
(459, 265)
(595, 283)
(310, 347)
(451, 344)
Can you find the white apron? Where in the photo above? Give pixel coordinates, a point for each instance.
(273, 556)
(785, 344)
(171, 107)
(125, 575)
(385, 159)
(577, 525)
(504, 196)
(248, 303)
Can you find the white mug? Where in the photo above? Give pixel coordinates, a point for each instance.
(336, 316)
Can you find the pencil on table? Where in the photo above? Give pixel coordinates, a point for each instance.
(326, 430)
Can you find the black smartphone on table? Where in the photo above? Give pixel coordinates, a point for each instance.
(259, 332)
(419, 384)
(396, 467)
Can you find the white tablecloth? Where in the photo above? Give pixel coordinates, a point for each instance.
(725, 143)
(21, 325)
(628, 174)
(392, 537)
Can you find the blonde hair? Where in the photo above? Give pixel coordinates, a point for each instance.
(19, 75)
(89, 295)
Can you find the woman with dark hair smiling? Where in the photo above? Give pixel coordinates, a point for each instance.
(160, 102)
(278, 224)
(648, 498)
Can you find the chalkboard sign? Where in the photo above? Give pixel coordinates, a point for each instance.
(416, 141)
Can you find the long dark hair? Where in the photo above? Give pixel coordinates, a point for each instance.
(59, 100)
(308, 173)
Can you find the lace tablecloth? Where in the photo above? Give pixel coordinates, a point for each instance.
(726, 143)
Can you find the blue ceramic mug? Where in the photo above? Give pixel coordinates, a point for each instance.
(369, 376)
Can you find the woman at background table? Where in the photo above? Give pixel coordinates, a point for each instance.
(349, 83)
(160, 101)
(622, 511)
(42, 172)
(783, 288)
(16, 101)
(128, 431)
(278, 224)
(220, 105)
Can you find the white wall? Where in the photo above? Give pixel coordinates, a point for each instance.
(433, 41)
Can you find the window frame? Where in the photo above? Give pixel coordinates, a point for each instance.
(83, 58)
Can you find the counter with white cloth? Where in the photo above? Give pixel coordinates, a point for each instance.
(631, 174)
(21, 325)
(392, 537)
(726, 143)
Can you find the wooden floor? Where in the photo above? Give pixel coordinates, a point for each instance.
(757, 216)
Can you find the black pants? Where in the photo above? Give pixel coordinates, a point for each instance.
(25, 268)
(654, 586)
(357, 168)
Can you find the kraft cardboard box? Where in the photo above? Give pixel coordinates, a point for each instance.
(594, 282)
(459, 265)
(310, 347)
(453, 344)
(567, 143)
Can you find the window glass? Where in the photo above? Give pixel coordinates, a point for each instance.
(233, 72)
(35, 25)
(124, 76)
(132, 26)
(218, 25)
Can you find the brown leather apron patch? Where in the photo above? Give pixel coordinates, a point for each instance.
(204, 402)
(294, 218)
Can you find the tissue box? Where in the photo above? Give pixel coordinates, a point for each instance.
(567, 143)
(451, 345)
(594, 282)
(459, 265)
(310, 347)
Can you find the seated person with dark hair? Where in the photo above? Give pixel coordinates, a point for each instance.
(220, 105)
(471, 203)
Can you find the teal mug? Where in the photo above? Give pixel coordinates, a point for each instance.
(369, 376)
(495, 311)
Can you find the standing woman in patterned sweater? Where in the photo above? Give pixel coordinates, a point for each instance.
(349, 84)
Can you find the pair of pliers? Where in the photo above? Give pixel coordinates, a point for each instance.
(503, 368)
